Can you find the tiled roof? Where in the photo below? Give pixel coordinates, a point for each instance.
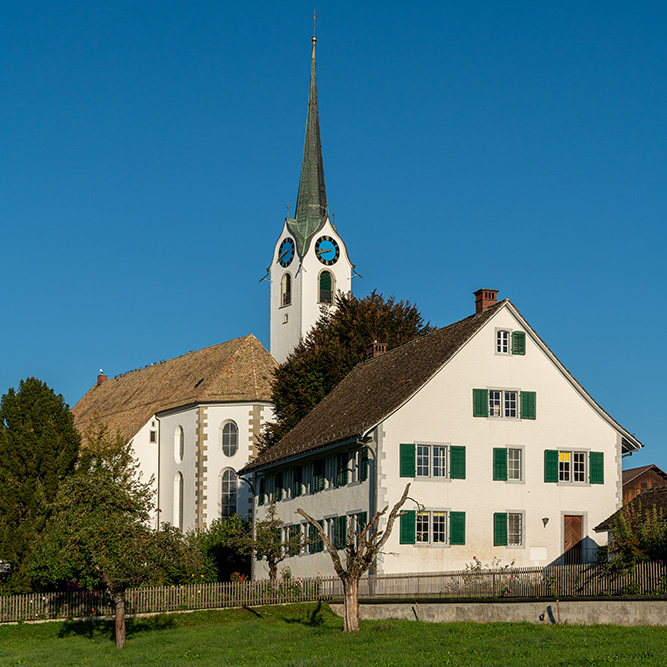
(656, 497)
(237, 370)
(633, 473)
(375, 388)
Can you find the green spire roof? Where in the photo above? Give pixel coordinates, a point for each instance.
(311, 205)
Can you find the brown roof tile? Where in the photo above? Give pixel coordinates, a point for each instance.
(375, 388)
(236, 370)
(633, 473)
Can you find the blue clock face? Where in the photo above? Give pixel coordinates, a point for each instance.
(286, 252)
(327, 250)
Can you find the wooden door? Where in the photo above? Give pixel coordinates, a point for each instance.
(572, 539)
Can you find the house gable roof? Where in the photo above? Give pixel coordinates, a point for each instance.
(377, 387)
(632, 473)
(236, 370)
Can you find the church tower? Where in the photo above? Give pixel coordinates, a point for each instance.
(310, 261)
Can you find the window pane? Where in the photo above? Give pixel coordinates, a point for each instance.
(514, 464)
(439, 527)
(494, 403)
(228, 494)
(230, 437)
(564, 466)
(423, 461)
(422, 526)
(439, 461)
(579, 466)
(502, 342)
(510, 404)
(514, 529)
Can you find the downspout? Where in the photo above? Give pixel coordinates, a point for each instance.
(157, 509)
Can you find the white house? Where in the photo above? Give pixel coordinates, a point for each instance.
(508, 457)
(193, 422)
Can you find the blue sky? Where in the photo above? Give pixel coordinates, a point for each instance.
(149, 150)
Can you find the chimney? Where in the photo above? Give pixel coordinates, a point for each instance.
(101, 378)
(485, 298)
(375, 349)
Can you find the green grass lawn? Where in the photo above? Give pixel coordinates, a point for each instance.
(311, 635)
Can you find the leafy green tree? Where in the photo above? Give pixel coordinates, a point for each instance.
(99, 533)
(267, 543)
(638, 534)
(218, 545)
(39, 446)
(333, 347)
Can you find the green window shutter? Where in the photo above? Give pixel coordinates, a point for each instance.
(363, 472)
(278, 487)
(518, 342)
(318, 476)
(296, 482)
(407, 460)
(363, 520)
(480, 402)
(457, 462)
(596, 463)
(261, 498)
(457, 527)
(551, 465)
(342, 470)
(528, 405)
(341, 532)
(407, 535)
(500, 529)
(319, 544)
(500, 464)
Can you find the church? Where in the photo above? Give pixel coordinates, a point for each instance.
(508, 457)
(194, 420)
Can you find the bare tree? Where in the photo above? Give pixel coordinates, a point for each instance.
(362, 545)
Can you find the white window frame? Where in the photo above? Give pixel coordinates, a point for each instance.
(500, 405)
(573, 464)
(519, 451)
(504, 342)
(223, 426)
(435, 451)
(517, 516)
(425, 527)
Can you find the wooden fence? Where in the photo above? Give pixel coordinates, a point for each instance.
(565, 581)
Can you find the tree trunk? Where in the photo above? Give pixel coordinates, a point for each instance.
(351, 604)
(273, 573)
(119, 603)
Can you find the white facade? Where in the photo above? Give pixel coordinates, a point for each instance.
(295, 311)
(459, 518)
(193, 454)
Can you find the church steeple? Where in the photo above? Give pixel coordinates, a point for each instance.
(311, 206)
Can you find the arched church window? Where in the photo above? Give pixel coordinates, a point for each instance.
(230, 438)
(178, 501)
(227, 493)
(327, 287)
(286, 290)
(179, 444)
